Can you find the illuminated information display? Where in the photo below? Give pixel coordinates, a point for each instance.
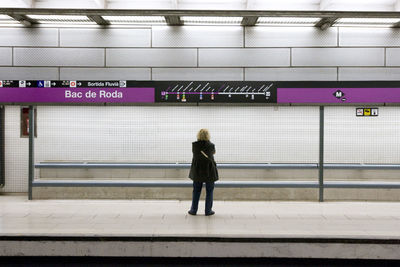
(215, 92)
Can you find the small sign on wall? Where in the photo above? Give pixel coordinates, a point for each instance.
(367, 112)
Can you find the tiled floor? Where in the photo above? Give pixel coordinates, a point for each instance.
(18, 216)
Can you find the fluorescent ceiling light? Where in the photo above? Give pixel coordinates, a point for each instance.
(288, 20)
(366, 21)
(61, 19)
(212, 20)
(135, 19)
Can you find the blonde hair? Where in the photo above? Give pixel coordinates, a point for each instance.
(203, 135)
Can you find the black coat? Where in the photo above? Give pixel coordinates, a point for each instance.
(203, 169)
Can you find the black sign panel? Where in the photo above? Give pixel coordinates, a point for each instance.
(215, 92)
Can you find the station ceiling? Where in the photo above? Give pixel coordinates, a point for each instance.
(319, 13)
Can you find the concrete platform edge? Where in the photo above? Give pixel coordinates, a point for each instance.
(172, 246)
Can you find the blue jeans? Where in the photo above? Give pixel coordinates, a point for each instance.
(197, 186)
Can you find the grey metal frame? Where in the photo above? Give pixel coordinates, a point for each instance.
(321, 155)
(2, 148)
(320, 184)
(201, 12)
(108, 165)
(172, 17)
(31, 149)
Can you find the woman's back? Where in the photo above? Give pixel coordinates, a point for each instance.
(203, 168)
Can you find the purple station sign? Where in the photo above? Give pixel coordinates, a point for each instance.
(76, 95)
(86, 92)
(338, 95)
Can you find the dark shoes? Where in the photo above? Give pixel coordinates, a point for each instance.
(210, 213)
(207, 214)
(191, 212)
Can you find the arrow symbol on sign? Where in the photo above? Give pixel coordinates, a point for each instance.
(79, 84)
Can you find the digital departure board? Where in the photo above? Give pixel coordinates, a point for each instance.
(215, 92)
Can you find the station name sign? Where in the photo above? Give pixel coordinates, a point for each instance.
(268, 92)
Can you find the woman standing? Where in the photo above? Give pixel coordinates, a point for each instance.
(203, 170)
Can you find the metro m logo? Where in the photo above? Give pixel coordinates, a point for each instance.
(338, 94)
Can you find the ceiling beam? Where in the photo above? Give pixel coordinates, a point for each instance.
(206, 13)
(173, 20)
(325, 23)
(98, 19)
(249, 21)
(24, 20)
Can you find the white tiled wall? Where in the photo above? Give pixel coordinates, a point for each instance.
(165, 133)
(199, 36)
(151, 57)
(105, 38)
(290, 37)
(16, 150)
(290, 74)
(28, 73)
(338, 56)
(385, 37)
(244, 57)
(202, 53)
(393, 56)
(28, 37)
(85, 57)
(105, 74)
(209, 74)
(351, 139)
(5, 56)
(360, 74)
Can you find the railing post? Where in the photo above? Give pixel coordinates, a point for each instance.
(2, 148)
(31, 149)
(321, 154)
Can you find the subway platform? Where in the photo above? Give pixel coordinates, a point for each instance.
(162, 228)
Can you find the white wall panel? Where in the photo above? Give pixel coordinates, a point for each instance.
(289, 36)
(16, 153)
(105, 73)
(197, 36)
(165, 133)
(290, 74)
(156, 57)
(393, 57)
(208, 74)
(352, 139)
(368, 74)
(338, 56)
(28, 73)
(29, 37)
(5, 56)
(105, 37)
(369, 37)
(250, 57)
(59, 57)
